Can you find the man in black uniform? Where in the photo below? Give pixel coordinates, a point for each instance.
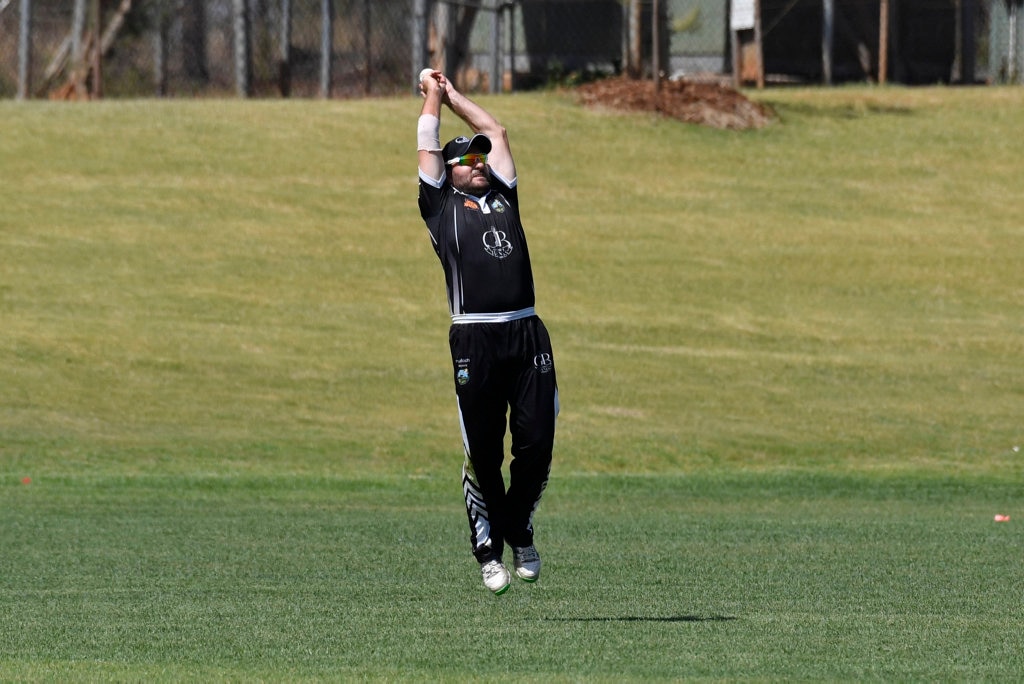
(501, 353)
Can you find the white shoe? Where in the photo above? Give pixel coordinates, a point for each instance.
(496, 577)
(527, 562)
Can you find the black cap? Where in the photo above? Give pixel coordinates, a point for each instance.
(457, 147)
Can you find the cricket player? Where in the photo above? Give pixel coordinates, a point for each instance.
(502, 364)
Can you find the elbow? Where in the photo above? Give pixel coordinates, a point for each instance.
(492, 129)
(498, 133)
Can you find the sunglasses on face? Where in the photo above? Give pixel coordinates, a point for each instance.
(468, 160)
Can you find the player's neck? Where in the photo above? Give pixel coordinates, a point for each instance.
(479, 199)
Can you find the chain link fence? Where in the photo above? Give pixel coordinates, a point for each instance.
(190, 47)
(374, 47)
(355, 48)
(928, 41)
(1004, 45)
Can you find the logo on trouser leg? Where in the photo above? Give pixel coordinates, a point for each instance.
(462, 371)
(544, 363)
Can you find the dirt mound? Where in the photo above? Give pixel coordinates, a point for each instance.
(707, 104)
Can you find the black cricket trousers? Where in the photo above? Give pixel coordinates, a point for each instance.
(504, 377)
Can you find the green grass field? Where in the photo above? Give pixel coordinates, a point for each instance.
(789, 364)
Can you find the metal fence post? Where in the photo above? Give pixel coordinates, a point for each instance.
(243, 53)
(1012, 73)
(367, 48)
(495, 47)
(511, 45)
(77, 48)
(326, 46)
(419, 42)
(193, 41)
(24, 49)
(160, 48)
(284, 64)
(828, 13)
(96, 56)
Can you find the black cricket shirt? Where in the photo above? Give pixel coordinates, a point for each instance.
(482, 248)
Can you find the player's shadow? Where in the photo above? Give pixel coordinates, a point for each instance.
(647, 618)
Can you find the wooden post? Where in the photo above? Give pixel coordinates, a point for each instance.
(656, 45)
(883, 41)
(636, 67)
(624, 47)
(727, 38)
(737, 61)
(759, 42)
(746, 42)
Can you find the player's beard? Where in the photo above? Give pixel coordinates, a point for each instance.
(481, 183)
(478, 184)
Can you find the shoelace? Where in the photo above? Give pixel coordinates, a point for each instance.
(527, 554)
(491, 569)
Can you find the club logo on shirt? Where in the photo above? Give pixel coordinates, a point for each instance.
(497, 206)
(495, 243)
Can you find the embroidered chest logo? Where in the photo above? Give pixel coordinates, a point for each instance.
(495, 243)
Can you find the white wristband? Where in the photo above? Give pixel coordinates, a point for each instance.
(428, 133)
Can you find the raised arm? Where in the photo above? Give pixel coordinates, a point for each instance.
(428, 128)
(481, 121)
